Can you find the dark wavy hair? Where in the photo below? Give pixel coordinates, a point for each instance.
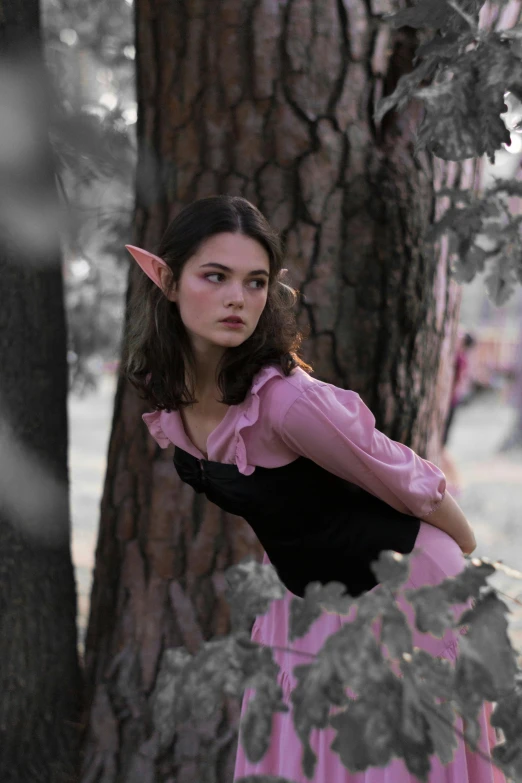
(156, 348)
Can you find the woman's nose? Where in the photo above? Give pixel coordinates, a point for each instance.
(235, 294)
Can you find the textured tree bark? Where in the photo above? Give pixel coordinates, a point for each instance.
(272, 100)
(40, 677)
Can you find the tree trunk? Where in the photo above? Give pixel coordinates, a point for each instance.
(40, 678)
(272, 101)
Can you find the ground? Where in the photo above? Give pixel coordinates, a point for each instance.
(490, 492)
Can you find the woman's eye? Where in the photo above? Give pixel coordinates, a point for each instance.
(220, 274)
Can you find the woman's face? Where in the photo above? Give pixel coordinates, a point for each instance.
(228, 276)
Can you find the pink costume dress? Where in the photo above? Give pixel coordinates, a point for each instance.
(303, 428)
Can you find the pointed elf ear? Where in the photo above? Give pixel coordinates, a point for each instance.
(148, 262)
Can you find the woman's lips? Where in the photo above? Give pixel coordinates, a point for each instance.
(233, 324)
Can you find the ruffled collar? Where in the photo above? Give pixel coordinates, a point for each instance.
(167, 427)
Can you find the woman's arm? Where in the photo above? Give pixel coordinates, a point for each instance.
(334, 428)
(448, 516)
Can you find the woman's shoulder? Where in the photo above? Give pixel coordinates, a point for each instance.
(282, 390)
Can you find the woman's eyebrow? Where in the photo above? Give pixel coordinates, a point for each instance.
(227, 269)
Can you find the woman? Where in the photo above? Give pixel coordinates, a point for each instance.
(211, 343)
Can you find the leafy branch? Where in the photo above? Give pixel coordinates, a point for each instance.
(407, 698)
(483, 230)
(461, 75)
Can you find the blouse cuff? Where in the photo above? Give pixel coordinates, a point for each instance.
(436, 504)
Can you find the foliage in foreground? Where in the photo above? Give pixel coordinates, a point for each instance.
(412, 713)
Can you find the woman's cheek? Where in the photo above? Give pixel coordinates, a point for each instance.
(201, 292)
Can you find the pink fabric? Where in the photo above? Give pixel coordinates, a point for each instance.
(280, 419)
(438, 557)
(283, 418)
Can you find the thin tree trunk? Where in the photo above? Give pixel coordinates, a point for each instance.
(40, 678)
(272, 101)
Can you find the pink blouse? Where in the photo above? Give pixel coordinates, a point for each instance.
(284, 417)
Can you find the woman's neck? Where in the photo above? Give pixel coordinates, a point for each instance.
(208, 398)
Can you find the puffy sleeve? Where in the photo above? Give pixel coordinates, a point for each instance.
(334, 428)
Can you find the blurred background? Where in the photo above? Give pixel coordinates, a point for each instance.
(91, 57)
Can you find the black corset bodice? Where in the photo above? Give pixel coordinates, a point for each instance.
(313, 525)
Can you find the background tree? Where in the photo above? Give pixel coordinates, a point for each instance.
(275, 103)
(89, 51)
(40, 677)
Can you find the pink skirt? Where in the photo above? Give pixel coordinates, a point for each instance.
(438, 557)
